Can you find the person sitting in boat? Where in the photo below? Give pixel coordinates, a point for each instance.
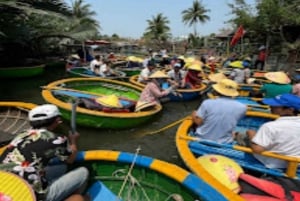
(153, 91)
(280, 136)
(280, 84)
(105, 69)
(95, 64)
(193, 78)
(177, 74)
(73, 61)
(146, 72)
(29, 154)
(216, 119)
(165, 62)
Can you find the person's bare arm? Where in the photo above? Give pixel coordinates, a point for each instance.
(73, 137)
(255, 147)
(197, 120)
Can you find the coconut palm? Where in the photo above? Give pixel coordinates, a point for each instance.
(158, 29)
(194, 15)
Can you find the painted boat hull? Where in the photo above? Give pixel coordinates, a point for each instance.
(184, 94)
(13, 119)
(190, 148)
(100, 119)
(20, 72)
(85, 72)
(154, 178)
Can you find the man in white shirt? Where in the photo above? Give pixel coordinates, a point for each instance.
(146, 72)
(281, 136)
(95, 64)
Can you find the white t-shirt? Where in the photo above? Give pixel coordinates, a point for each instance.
(144, 74)
(104, 71)
(281, 136)
(93, 64)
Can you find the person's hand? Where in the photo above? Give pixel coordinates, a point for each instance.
(73, 137)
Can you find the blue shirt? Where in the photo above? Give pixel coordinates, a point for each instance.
(220, 117)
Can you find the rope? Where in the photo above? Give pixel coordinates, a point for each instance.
(129, 171)
(167, 126)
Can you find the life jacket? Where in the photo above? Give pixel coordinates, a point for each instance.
(269, 189)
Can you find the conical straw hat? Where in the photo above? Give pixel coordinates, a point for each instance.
(109, 101)
(216, 77)
(159, 74)
(236, 64)
(140, 105)
(278, 77)
(224, 169)
(195, 66)
(226, 87)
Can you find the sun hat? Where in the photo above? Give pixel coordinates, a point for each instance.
(216, 77)
(223, 169)
(236, 64)
(131, 58)
(250, 80)
(278, 77)
(262, 47)
(109, 101)
(285, 100)
(165, 56)
(195, 66)
(75, 56)
(181, 57)
(140, 105)
(226, 87)
(211, 58)
(43, 112)
(159, 74)
(247, 59)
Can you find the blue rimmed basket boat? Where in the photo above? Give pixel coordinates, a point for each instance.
(142, 178)
(180, 95)
(190, 148)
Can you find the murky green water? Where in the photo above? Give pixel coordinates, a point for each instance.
(160, 145)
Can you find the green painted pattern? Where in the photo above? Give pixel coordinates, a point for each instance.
(148, 183)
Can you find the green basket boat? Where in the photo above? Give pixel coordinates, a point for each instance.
(22, 72)
(92, 88)
(129, 176)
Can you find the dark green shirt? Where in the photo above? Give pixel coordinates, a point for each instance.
(271, 90)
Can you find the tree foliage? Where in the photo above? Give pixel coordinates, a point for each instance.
(194, 15)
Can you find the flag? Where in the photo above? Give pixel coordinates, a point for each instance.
(240, 32)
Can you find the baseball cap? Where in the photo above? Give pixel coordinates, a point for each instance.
(285, 100)
(43, 112)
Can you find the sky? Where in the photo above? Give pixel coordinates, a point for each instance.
(128, 18)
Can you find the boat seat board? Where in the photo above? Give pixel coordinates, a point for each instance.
(246, 160)
(99, 192)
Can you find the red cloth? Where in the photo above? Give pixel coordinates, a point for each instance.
(268, 187)
(252, 197)
(262, 55)
(238, 34)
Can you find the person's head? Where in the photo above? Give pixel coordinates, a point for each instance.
(196, 66)
(226, 87)
(97, 57)
(151, 65)
(284, 105)
(177, 66)
(278, 77)
(44, 116)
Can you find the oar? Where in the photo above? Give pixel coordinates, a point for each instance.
(73, 116)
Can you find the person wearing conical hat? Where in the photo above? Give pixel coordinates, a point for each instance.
(192, 79)
(280, 84)
(153, 91)
(216, 119)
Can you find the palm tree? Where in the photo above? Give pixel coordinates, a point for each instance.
(194, 15)
(158, 29)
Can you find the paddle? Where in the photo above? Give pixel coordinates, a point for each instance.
(73, 116)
